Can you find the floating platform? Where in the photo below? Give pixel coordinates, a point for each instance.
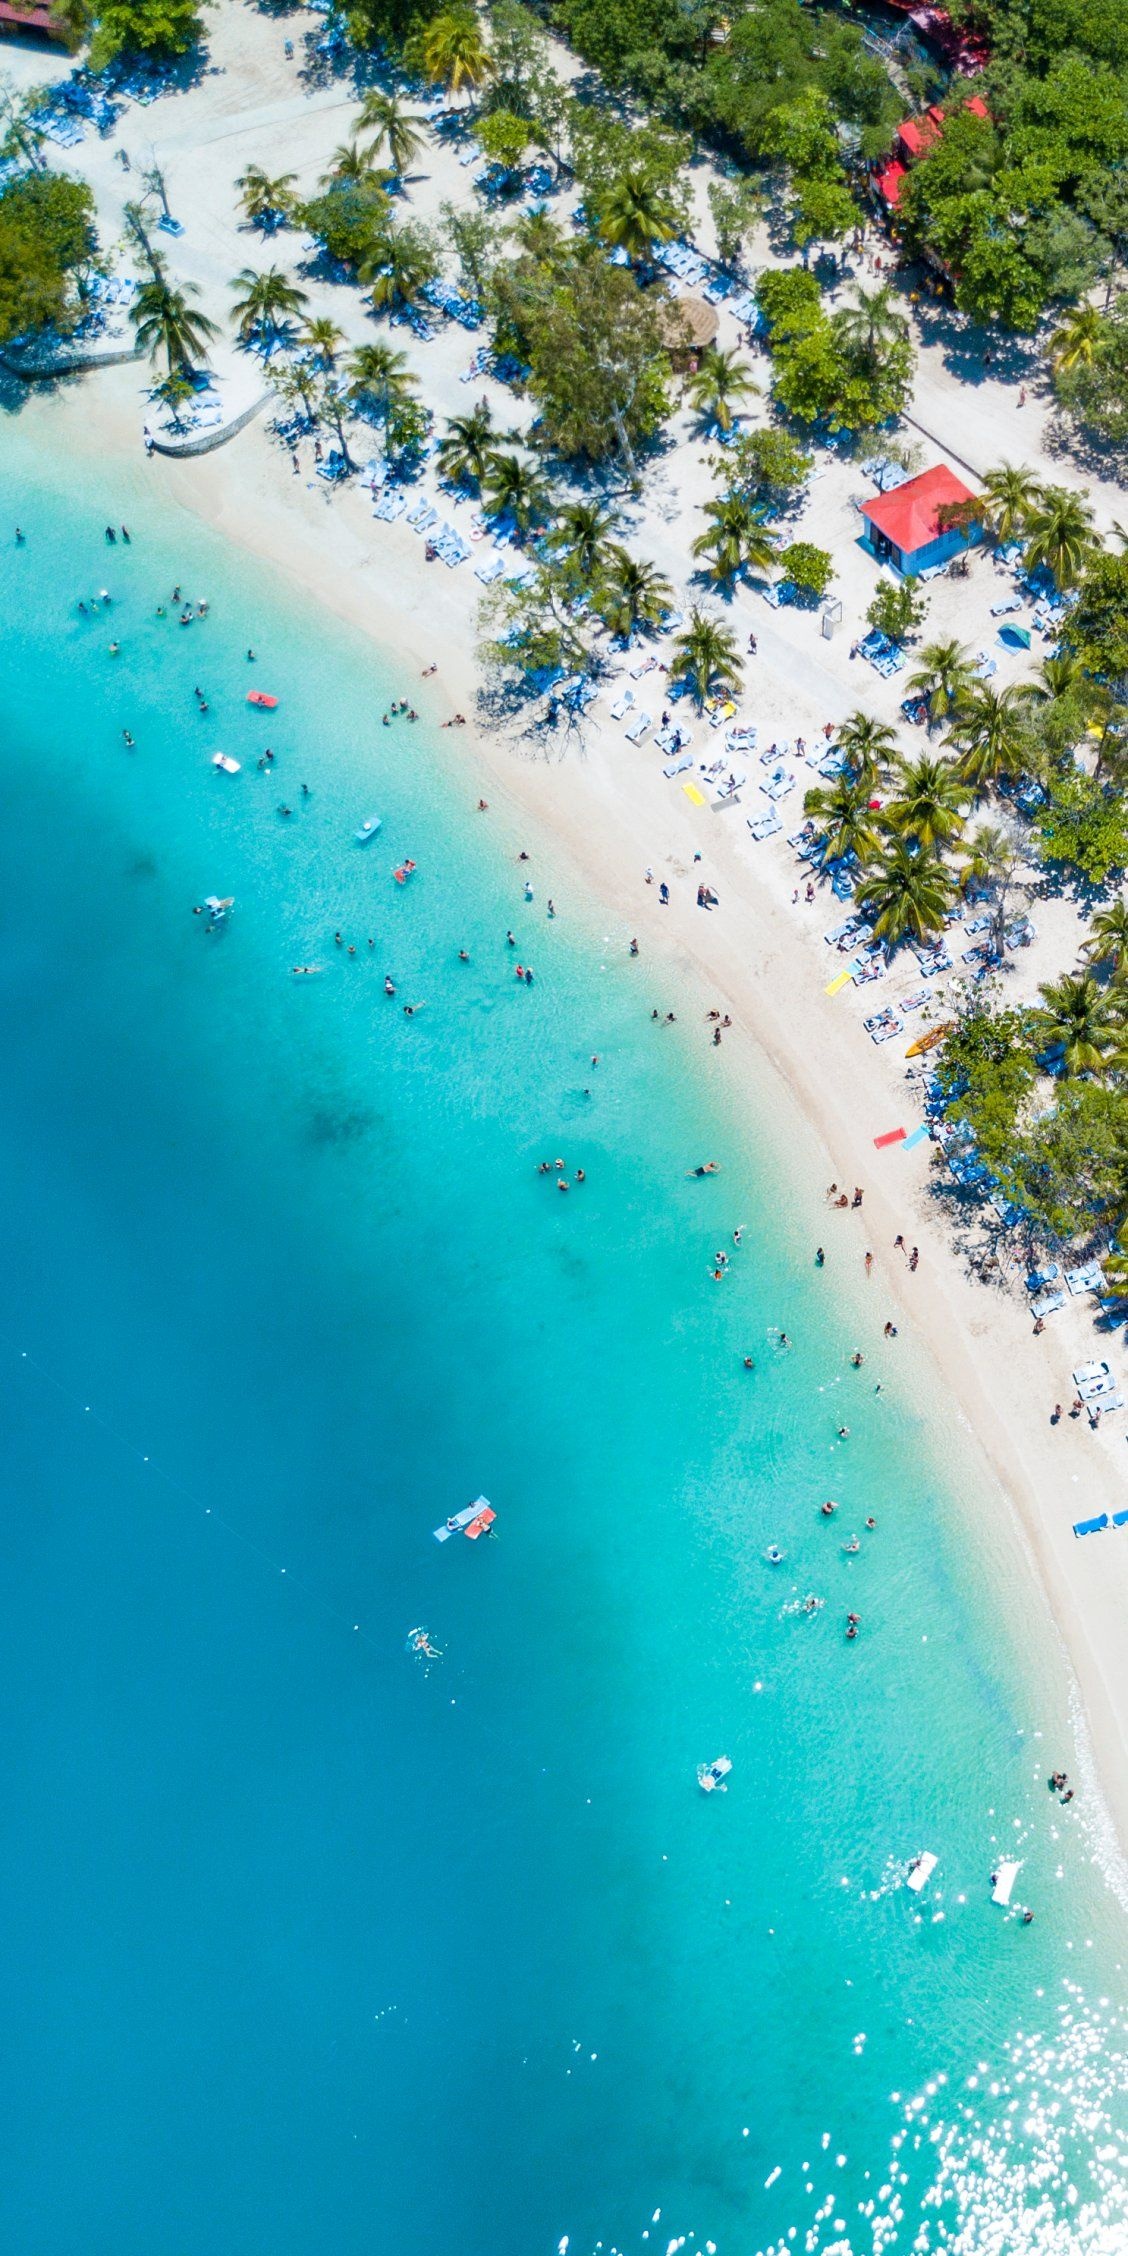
(475, 1520)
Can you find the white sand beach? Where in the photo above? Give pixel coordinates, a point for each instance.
(600, 810)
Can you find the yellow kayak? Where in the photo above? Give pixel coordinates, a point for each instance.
(928, 1041)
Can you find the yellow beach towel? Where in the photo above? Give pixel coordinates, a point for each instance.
(835, 984)
(698, 797)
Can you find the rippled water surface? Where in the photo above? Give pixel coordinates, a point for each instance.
(309, 1945)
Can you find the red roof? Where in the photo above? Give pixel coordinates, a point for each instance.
(37, 17)
(907, 516)
(916, 136)
(889, 183)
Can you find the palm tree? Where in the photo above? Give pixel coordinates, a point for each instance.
(873, 322)
(136, 216)
(335, 398)
(465, 448)
(266, 300)
(1077, 338)
(719, 384)
(1009, 498)
(705, 658)
(397, 270)
(944, 677)
(1116, 1264)
(1057, 677)
(635, 214)
(630, 594)
(296, 387)
(867, 746)
(1108, 940)
(324, 340)
(989, 735)
(1060, 535)
(455, 53)
(842, 812)
(538, 236)
(1081, 1019)
(984, 851)
(582, 533)
(512, 489)
(908, 893)
(266, 199)
(163, 321)
(349, 163)
(928, 805)
(380, 374)
(737, 539)
(992, 861)
(399, 131)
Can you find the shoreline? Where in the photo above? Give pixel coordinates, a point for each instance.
(607, 813)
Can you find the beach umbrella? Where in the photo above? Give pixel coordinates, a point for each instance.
(1016, 638)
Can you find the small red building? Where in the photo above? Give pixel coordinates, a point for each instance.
(35, 18)
(914, 138)
(903, 527)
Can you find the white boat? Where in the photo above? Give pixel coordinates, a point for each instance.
(920, 1870)
(368, 829)
(1003, 1881)
(711, 1776)
(217, 909)
(224, 760)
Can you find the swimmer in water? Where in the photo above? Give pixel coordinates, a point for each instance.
(857, 1359)
(749, 1365)
(389, 984)
(708, 1167)
(820, 1257)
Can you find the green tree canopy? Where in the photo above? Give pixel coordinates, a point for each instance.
(161, 30)
(46, 232)
(598, 366)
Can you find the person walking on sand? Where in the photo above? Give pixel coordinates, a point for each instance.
(869, 1263)
(914, 1257)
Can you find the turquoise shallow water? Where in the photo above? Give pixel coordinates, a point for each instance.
(308, 1949)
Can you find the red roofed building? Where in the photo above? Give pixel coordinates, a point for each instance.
(914, 138)
(34, 18)
(903, 528)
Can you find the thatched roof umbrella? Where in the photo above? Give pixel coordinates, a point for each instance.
(688, 326)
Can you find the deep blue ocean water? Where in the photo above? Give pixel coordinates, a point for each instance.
(308, 1948)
